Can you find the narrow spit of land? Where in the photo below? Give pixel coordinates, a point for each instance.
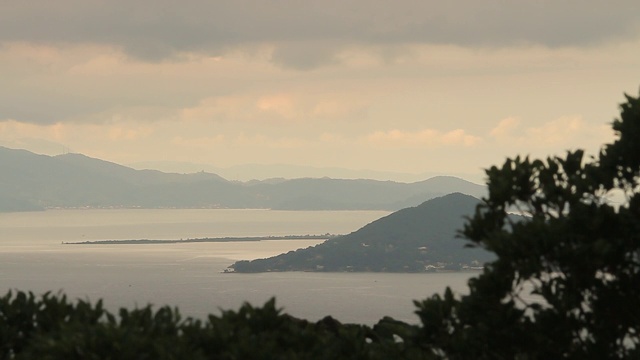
(199, 240)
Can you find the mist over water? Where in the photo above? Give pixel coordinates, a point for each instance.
(190, 275)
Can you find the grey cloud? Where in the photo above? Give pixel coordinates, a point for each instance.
(306, 35)
(54, 101)
(159, 29)
(304, 56)
(41, 108)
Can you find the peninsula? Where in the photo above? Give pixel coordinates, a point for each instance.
(201, 240)
(416, 239)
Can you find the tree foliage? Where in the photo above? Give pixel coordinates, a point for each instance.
(51, 327)
(566, 283)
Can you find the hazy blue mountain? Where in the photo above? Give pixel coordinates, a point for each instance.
(341, 194)
(75, 180)
(412, 239)
(248, 172)
(31, 181)
(46, 181)
(10, 203)
(139, 177)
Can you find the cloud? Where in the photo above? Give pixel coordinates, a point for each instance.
(120, 133)
(281, 104)
(305, 55)
(246, 108)
(558, 131)
(505, 128)
(241, 141)
(115, 132)
(422, 138)
(307, 34)
(202, 142)
(283, 108)
(218, 109)
(90, 83)
(561, 133)
(14, 130)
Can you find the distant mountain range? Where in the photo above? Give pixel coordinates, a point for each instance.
(415, 239)
(30, 181)
(247, 172)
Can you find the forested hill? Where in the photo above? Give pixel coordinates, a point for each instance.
(415, 239)
(29, 181)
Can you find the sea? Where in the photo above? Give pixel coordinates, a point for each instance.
(35, 256)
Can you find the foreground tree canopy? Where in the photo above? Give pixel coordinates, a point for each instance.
(565, 285)
(579, 254)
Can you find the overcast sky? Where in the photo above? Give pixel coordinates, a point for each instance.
(409, 86)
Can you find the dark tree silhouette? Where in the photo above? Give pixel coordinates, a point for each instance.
(566, 283)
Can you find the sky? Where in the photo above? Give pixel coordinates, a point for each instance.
(405, 87)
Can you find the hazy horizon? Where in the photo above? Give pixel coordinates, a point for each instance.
(260, 172)
(249, 171)
(394, 89)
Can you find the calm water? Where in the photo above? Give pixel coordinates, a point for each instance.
(32, 257)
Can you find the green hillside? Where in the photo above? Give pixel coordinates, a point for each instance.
(414, 239)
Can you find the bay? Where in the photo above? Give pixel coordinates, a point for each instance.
(190, 275)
